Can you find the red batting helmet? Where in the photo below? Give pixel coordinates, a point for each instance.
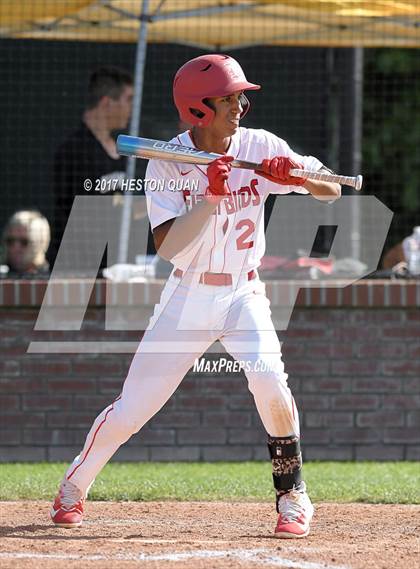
(208, 76)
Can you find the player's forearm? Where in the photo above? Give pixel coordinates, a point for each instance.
(323, 191)
(180, 233)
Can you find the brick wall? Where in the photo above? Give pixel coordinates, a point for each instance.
(353, 358)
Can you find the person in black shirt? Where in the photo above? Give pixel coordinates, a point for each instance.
(90, 152)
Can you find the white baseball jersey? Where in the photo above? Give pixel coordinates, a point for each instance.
(233, 240)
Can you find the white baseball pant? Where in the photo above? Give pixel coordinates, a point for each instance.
(185, 323)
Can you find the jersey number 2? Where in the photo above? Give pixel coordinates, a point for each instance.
(241, 242)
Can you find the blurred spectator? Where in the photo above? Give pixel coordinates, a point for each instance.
(393, 257)
(405, 253)
(90, 152)
(26, 239)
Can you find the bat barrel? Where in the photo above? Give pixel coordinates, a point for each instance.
(161, 150)
(127, 145)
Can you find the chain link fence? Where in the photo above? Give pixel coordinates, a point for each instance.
(356, 109)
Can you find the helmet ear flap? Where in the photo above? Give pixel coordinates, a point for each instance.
(204, 116)
(200, 114)
(197, 113)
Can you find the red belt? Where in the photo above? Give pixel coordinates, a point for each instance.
(215, 279)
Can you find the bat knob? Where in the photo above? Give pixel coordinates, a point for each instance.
(359, 182)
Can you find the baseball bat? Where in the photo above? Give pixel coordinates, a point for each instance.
(161, 150)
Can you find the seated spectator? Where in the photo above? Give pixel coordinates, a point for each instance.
(26, 239)
(394, 256)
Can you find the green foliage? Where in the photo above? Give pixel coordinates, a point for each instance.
(385, 482)
(391, 137)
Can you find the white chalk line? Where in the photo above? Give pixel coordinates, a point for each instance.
(190, 541)
(257, 556)
(138, 522)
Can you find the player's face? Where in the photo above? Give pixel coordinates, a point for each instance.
(17, 248)
(228, 111)
(120, 109)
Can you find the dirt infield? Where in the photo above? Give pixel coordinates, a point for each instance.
(208, 535)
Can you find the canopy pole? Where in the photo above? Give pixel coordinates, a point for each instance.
(126, 213)
(356, 147)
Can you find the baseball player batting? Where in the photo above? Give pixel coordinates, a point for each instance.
(215, 239)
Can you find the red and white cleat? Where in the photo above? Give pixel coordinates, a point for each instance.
(295, 514)
(67, 510)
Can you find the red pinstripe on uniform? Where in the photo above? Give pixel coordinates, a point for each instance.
(94, 437)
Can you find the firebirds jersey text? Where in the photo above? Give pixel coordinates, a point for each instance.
(245, 197)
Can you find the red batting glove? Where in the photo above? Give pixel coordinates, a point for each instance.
(218, 174)
(277, 170)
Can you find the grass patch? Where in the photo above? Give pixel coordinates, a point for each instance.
(370, 482)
